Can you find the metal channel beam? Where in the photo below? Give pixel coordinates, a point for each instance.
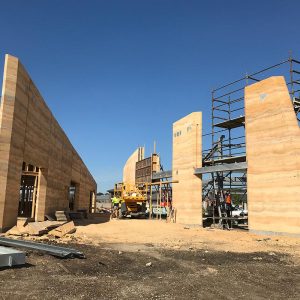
(11, 257)
(50, 249)
(225, 160)
(222, 168)
(160, 175)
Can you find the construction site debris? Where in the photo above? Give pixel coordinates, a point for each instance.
(33, 228)
(11, 257)
(49, 249)
(102, 210)
(50, 218)
(60, 215)
(15, 231)
(263, 240)
(22, 222)
(257, 258)
(64, 229)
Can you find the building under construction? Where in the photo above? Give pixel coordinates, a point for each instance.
(254, 155)
(40, 171)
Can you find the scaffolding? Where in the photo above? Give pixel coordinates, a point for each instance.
(160, 198)
(225, 162)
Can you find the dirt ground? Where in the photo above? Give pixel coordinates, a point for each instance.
(177, 236)
(186, 263)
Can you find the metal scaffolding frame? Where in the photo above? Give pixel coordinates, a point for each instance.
(225, 161)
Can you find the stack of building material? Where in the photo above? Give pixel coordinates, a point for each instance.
(60, 215)
(20, 228)
(22, 222)
(33, 228)
(64, 229)
(39, 228)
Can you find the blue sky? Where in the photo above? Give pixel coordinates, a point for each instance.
(117, 74)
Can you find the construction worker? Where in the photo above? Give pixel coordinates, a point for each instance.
(228, 199)
(228, 206)
(115, 206)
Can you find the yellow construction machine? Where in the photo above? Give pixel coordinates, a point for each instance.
(133, 199)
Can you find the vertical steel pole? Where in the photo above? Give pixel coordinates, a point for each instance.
(160, 199)
(212, 156)
(291, 77)
(150, 206)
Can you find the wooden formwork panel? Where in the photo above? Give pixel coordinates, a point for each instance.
(146, 168)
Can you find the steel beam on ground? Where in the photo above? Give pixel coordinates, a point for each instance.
(50, 249)
(11, 257)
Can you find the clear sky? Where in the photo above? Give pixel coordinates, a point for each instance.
(117, 74)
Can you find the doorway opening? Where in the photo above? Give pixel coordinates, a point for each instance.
(28, 191)
(72, 195)
(92, 202)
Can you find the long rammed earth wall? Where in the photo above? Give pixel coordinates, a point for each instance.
(273, 158)
(29, 133)
(187, 156)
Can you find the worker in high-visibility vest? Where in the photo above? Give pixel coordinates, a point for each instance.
(228, 206)
(228, 199)
(115, 201)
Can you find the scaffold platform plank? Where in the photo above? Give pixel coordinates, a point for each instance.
(225, 160)
(232, 123)
(242, 166)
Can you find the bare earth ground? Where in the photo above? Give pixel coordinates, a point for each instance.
(186, 263)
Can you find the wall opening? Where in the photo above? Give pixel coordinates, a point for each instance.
(28, 191)
(72, 195)
(92, 202)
